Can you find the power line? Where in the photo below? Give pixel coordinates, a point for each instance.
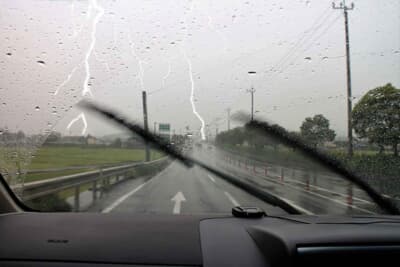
(312, 30)
(309, 45)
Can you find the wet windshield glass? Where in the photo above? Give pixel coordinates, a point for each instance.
(193, 73)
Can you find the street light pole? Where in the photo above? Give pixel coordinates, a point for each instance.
(252, 91)
(146, 126)
(229, 119)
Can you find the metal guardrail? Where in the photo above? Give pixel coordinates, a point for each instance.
(101, 180)
(250, 164)
(77, 167)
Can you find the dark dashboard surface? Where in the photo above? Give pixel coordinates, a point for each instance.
(88, 239)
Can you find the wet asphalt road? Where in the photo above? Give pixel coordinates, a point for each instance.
(179, 190)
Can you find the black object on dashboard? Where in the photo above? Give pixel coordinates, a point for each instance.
(248, 212)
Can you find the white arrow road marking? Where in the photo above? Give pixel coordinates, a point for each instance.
(178, 199)
(211, 178)
(230, 197)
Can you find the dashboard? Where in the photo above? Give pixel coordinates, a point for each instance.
(91, 239)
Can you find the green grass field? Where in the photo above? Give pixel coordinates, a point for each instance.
(31, 177)
(49, 157)
(60, 157)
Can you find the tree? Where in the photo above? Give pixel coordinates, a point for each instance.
(258, 139)
(316, 130)
(232, 137)
(377, 117)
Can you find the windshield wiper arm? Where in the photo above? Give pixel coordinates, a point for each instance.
(281, 135)
(187, 161)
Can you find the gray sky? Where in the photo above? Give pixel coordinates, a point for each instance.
(142, 45)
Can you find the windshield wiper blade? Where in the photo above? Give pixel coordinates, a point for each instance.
(292, 140)
(163, 146)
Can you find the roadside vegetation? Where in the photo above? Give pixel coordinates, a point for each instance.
(53, 157)
(55, 161)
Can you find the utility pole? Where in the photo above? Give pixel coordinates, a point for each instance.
(345, 8)
(229, 119)
(146, 126)
(252, 91)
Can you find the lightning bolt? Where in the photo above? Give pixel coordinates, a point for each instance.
(66, 80)
(79, 117)
(100, 11)
(140, 74)
(86, 90)
(164, 79)
(189, 63)
(203, 136)
(74, 35)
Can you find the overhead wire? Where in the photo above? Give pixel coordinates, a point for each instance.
(310, 44)
(308, 33)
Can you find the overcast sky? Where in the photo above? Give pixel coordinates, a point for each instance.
(170, 48)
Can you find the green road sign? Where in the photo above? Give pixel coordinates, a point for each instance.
(164, 127)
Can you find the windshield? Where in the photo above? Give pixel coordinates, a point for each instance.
(194, 73)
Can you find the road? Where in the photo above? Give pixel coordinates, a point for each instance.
(181, 190)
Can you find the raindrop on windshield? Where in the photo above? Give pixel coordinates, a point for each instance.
(37, 108)
(41, 62)
(308, 58)
(9, 54)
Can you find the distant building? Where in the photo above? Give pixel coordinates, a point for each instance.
(91, 140)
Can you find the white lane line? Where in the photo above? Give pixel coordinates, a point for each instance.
(211, 178)
(127, 195)
(301, 209)
(230, 197)
(123, 198)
